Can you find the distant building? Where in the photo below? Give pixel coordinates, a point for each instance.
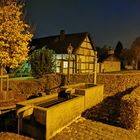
(83, 54)
(110, 64)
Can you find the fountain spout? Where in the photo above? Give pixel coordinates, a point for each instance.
(22, 113)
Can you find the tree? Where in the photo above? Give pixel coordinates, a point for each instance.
(135, 48)
(42, 61)
(118, 49)
(14, 35)
(126, 57)
(102, 52)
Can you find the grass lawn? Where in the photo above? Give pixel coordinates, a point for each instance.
(22, 78)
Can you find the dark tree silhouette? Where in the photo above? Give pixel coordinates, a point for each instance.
(118, 49)
(102, 52)
(126, 57)
(135, 48)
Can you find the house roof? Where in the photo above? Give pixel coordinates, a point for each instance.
(59, 43)
(110, 57)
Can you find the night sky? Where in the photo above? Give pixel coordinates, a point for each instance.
(108, 21)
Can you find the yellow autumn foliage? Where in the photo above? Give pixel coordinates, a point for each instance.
(15, 34)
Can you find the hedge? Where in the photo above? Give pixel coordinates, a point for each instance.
(130, 110)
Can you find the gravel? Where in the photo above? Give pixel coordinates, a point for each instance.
(13, 136)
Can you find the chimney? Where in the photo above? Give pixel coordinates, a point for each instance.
(110, 51)
(62, 34)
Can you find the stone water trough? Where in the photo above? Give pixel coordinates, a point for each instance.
(45, 116)
(93, 94)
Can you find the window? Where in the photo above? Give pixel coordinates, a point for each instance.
(58, 69)
(58, 56)
(65, 64)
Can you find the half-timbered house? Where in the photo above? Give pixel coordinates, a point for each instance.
(83, 54)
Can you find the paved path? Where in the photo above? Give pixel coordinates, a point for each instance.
(84, 129)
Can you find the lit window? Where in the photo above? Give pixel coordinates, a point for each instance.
(58, 56)
(58, 69)
(65, 64)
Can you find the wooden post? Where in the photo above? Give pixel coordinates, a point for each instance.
(95, 68)
(1, 84)
(69, 49)
(76, 63)
(7, 88)
(1, 78)
(61, 65)
(68, 76)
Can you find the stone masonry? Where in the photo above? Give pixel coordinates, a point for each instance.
(83, 129)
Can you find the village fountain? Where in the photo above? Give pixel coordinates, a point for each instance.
(49, 114)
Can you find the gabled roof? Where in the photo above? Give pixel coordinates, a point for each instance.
(59, 44)
(110, 57)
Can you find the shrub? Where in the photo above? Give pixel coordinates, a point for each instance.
(130, 110)
(42, 61)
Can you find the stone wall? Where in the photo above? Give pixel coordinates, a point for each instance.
(110, 66)
(113, 83)
(80, 78)
(47, 85)
(130, 109)
(116, 83)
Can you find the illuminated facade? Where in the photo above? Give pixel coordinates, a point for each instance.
(83, 55)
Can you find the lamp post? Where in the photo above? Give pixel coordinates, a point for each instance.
(69, 49)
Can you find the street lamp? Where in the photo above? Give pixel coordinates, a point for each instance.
(69, 49)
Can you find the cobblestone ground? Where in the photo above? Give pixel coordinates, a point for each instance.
(84, 129)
